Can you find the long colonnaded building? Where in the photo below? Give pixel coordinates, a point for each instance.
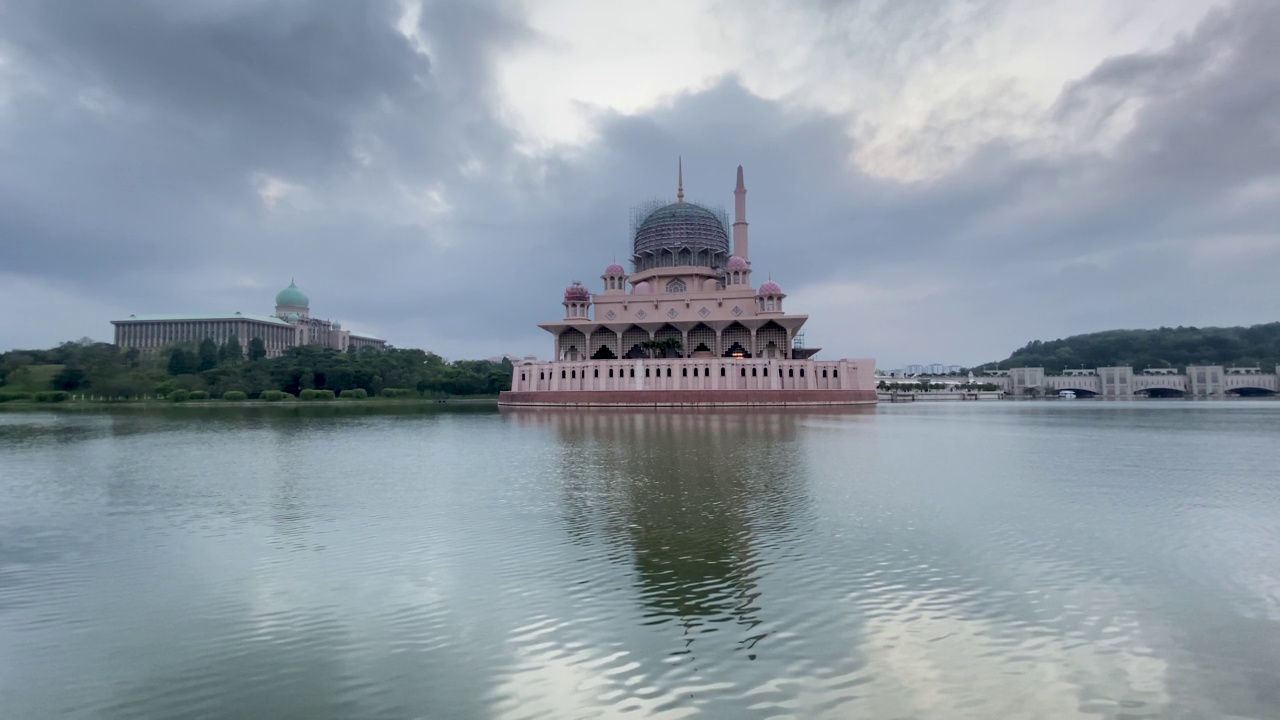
(291, 326)
(685, 327)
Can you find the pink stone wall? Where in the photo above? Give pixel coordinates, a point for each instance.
(711, 373)
(690, 398)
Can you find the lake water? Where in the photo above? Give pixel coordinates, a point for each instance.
(969, 560)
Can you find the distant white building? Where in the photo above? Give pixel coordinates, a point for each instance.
(290, 326)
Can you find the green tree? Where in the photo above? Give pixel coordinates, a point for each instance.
(257, 349)
(231, 351)
(181, 361)
(208, 355)
(670, 347)
(69, 378)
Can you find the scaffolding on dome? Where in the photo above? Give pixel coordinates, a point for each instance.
(699, 238)
(640, 212)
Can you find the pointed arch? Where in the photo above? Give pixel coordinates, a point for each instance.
(604, 345)
(633, 339)
(702, 339)
(668, 333)
(771, 333)
(571, 345)
(737, 341)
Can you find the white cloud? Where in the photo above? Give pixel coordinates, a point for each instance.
(922, 85)
(273, 191)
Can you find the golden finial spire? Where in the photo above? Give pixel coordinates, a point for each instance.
(679, 179)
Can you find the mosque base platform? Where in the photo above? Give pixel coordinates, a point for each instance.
(686, 398)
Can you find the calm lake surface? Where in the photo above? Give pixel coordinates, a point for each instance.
(1003, 560)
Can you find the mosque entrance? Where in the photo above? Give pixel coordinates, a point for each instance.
(736, 351)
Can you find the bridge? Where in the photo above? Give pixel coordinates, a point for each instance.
(1196, 381)
(1200, 381)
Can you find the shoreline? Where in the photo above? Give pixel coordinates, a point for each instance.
(81, 405)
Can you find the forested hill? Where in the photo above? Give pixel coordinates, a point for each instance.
(1257, 345)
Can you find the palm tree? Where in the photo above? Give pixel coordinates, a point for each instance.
(665, 346)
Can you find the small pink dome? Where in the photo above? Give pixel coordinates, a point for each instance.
(614, 270)
(577, 292)
(736, 263)
(642, 288)
(770, 288)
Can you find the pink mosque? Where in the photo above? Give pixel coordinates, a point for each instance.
(685, 327)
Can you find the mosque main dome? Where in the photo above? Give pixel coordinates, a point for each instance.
(681, 226)
(292, 297)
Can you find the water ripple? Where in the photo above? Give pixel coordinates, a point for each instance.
(1010, 561)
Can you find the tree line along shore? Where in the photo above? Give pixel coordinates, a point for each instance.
(87, 370)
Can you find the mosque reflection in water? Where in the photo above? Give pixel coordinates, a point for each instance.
(695, 497)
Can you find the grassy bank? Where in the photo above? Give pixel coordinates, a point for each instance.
(86, 404)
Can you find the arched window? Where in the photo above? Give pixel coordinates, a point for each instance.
(676, 286)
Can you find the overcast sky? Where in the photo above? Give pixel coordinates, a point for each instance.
(930, 181)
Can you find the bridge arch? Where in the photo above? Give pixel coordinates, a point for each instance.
(1251, 391)
(1161, 392)
(1080, 392)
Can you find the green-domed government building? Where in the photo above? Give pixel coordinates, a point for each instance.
(292, 325)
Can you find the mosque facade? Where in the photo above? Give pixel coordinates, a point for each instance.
(291, 326)
(686, 326)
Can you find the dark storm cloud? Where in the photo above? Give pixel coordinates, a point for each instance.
(194, 102)
(138, 137)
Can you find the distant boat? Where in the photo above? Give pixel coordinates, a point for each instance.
(1067, 394)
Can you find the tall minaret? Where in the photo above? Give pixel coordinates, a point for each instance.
(740, 218)
(680, 180)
